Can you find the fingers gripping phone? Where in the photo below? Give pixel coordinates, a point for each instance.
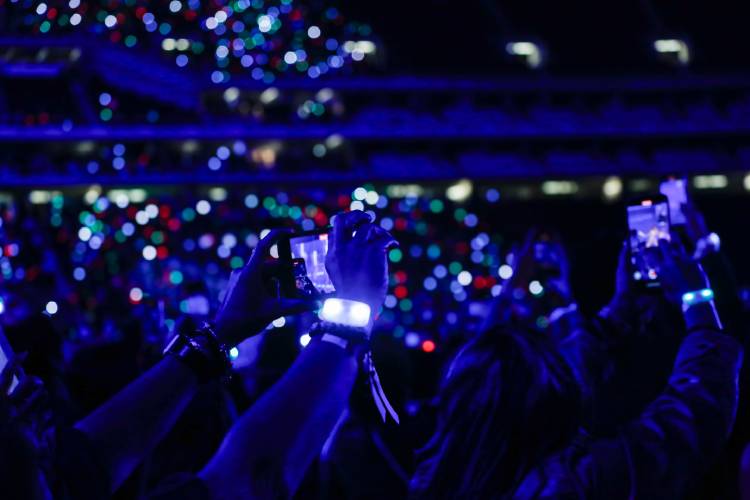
(648, 223)
(675, 189)
(303, 256)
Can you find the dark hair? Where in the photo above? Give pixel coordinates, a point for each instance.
(508, 401)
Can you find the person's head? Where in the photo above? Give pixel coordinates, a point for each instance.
(508, 401)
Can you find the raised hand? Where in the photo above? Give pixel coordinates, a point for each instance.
(249, 306)
(678, 272)
(357, 261)
(21, 410)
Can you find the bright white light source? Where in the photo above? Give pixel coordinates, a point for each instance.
(40, 197)
(136, 294)
(290, 57)
(279, 322)
(269, 95)
(152, 211)
(221, 16)
(556, 188)
(149, 252)
(234, 353)
(612, 188)
(265, 23)
(175, 6)
(365, 47)
(334, 141)
(231, 94)
(710, 181)
(84, 234)
(304, 339)
(505, 271)
(675, 47)
(141, 217)
(110, 21)
(360, 193)
(203, 207)
(2, 306)
(75, 19)
(313, 32)
(460, 191)
(372, 198)
(464, 277)
(51, 307)
(529, 51)
(746, 182)
(345, 312)
(536, 288)
(359, 314)
(332, 308)
(217, 194)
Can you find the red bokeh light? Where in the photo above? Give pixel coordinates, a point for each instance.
(428, 346)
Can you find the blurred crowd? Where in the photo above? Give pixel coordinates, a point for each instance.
(492, 349)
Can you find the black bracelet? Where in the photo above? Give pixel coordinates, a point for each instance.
(202, 352)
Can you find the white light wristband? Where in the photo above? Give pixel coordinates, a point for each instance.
(690, 299)
(345, 312)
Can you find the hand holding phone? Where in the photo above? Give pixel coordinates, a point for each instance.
(648, 222)
(249, 305)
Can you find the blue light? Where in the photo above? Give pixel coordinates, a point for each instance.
(251, 201)
(411, 339)
(79, 274)
(440, 271)
(493, 195)
(214, 163)
(430, 283)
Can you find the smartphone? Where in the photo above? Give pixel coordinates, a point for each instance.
(648, 223)
(675, 189)
(5, 354)
(305, 258)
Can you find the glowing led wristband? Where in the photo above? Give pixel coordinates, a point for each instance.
(697, 297)
(345, 312)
